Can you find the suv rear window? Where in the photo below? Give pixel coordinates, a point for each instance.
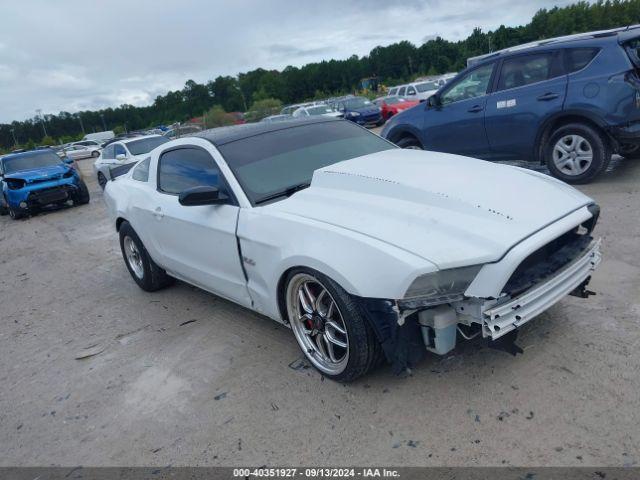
(525, 70)
(577, 58)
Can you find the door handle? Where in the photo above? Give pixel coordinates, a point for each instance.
(475, 109)
(158, 213)
(548, 96)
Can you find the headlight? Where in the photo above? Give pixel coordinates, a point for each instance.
(15, 184)
(439, 287)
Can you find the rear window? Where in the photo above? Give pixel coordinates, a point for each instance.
(145, 145)
(578, 58)
(527, 69)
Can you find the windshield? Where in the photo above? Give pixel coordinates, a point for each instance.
(319, 110)
(357, 102)
(140, 147)
(425, 87)
(274, 162)
(31, 162)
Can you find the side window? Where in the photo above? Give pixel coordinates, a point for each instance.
(141, 172)
(107, 153)
(473, 84)
(393, 91)
(526, 69)
(411, 91)
(401, 91)
(119, 150)
(186, 168)
(577, 58)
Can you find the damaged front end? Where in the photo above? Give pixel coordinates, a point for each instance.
(440, 309)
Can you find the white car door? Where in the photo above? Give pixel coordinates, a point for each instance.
(197, 243)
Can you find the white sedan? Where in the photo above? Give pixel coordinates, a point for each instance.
(316, 110)
(124, 152)
(365, 250)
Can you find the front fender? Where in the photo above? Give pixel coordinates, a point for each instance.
(273, 242)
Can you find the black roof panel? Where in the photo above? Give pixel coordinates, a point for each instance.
(223, 135)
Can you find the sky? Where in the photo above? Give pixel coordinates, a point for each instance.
(69, 55)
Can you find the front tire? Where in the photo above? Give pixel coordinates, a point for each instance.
(329, 326)
(577, 153)
(409, 143)
(146, 273)
(16, 214)
(82, 197)
(95, 154)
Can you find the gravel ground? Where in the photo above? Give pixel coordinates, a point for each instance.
(220, 389)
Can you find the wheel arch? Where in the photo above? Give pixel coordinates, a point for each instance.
(399, 133)
(119, 222)
(565, 118)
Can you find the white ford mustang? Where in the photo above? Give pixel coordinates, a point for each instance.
(366, 250)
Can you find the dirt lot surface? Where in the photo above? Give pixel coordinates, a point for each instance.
(185, 378)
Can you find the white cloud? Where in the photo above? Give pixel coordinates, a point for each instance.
(75, 54)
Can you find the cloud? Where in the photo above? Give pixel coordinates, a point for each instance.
(77, 54)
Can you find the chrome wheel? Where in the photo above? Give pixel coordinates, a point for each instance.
(572, 155)
(318, 324)
(133, 257)
(412, 147)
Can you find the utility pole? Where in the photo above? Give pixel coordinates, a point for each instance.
(39, 113)
(13, 134)
(104, 125)
(81, 125)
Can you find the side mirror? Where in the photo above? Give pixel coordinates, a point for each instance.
(434, 101)
(121, 156)
(202, 196)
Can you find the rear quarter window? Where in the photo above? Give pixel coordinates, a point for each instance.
(577, 58)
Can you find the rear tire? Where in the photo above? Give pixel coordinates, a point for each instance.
(102, 180)
(363, 351)
(410, 143)
(95, 154)
(146, 273)
(577, 153)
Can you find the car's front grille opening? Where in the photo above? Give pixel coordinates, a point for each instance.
(547, 260)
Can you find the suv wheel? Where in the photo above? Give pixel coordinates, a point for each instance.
(82, 196)
(16, 214)
(410, 143)
(576, 153)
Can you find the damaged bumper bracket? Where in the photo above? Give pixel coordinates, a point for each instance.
(503, 318)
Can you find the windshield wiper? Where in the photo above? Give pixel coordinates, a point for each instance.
(284, 193)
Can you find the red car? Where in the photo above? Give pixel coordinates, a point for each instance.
(392, 105)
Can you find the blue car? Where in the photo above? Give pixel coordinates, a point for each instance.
(359, 110)
(34, 179)
(568, 103)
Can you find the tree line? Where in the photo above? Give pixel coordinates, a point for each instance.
(394, 63)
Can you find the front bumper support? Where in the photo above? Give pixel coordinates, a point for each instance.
(502, 318)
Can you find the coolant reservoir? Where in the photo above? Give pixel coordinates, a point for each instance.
(438, 327)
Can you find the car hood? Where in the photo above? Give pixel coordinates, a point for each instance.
(53, 172)
(447, 209)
